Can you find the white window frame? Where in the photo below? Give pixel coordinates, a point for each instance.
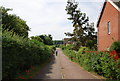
(109, 27)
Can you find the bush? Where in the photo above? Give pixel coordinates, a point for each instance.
(83, 49)
(115, 46)
(90, 44)
(19, 54)
(101, 63)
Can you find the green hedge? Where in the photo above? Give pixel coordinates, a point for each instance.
(101, 63)
(18, 54)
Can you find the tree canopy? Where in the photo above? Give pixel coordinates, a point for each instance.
(46, 39)
(14, 23)
(83, 30)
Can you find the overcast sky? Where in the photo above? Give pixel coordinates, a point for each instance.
(49, 16)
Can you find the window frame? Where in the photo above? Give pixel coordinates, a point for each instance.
(109, 27)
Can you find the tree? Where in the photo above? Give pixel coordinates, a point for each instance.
(91, 38)
(47, 39)
(14, 23)
(36, 38)
(82, 29)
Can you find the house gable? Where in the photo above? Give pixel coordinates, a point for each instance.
(114, 3)
(109, 17)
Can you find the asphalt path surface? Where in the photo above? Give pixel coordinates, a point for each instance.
(62, 68)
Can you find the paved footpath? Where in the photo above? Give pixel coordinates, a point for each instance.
(62, 68)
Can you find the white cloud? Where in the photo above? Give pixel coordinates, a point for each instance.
(89, 1)
(48, 16)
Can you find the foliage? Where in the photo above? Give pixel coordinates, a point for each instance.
(47, 39)
(20, 53)
(83, 49)
(58, 42)
(92, 44)
(33, 71)
(101, 63)
(83, 31)
(14, 23)
(68, 46)
(36, 38)
(54, 47)
(115, 46)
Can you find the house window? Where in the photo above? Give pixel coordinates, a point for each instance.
(109, 27)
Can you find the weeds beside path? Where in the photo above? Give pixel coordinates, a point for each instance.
(33, 71)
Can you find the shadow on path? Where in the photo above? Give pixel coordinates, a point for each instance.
(51, 70)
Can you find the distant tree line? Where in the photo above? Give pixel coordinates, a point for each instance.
(46, 39)
(58, 42)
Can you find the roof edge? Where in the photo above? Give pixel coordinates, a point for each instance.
(113, 4)
(102, 8)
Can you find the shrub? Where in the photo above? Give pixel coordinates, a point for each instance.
(19, 54)
(83, 49)
(101, 63)
(115, 46)
(90, 44)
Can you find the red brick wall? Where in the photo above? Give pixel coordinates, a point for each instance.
(104, 39)
(119, 25)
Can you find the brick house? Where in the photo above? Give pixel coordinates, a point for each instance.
(109, 24)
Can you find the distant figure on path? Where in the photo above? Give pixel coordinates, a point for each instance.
(56, 52)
